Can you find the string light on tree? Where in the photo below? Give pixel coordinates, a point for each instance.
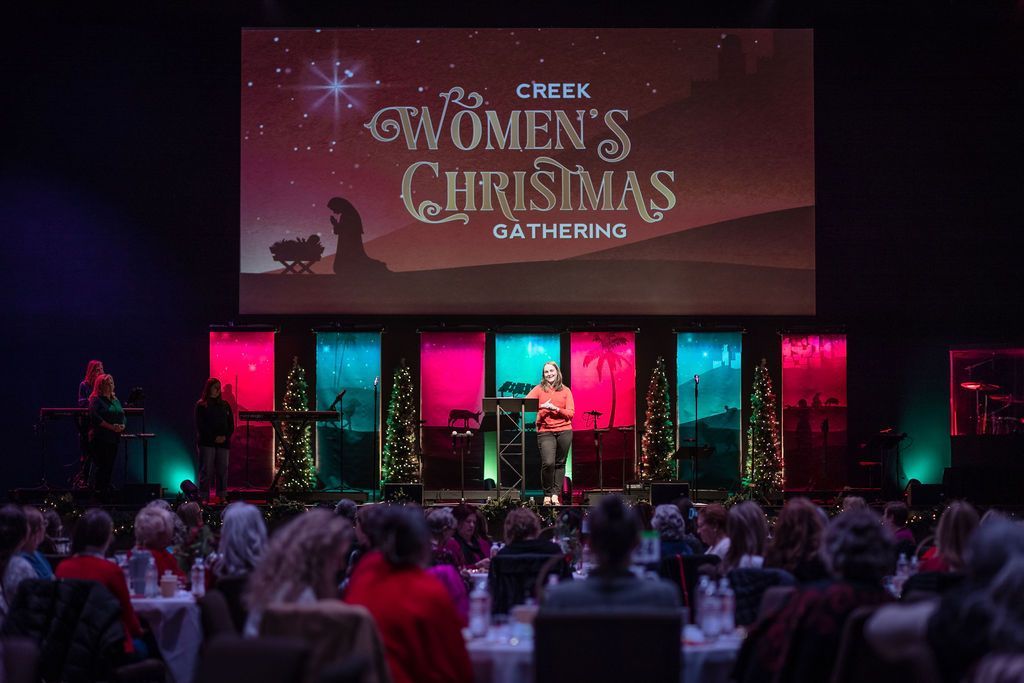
(299, 473)
(763, 470)
(658, 442)
(401, 462)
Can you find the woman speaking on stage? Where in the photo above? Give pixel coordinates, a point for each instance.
(106, 422)
(554, 429)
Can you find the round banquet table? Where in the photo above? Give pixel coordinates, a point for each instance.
(500, 658)
(178, 631)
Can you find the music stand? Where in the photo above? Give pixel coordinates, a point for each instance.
(514, 409)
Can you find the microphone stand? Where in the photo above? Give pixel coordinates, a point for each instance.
(341, 438)
(696, 435)
(376, 440)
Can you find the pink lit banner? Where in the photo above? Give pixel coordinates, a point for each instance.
(603, 382)
(814, 410)
(451, 399)
(451, 170)
(243, 361)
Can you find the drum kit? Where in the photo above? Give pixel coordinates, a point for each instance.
(996, 411)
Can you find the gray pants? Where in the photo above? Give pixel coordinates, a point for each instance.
(554, 449)
(213, 462)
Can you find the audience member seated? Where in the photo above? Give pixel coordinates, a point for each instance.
(614, 534)
(243, 538)
(154, 531)
(690, 536)
(198, 541)
(854, 503)
(956, 525)
(671, 528)
(711, 524)
(469, 546)
(645, 513)
(796, 544)
(299, 565)
(54, 530)
(421, 630)
(747, 529)
(800, 642)
(441, 524)
(13, 567)
(522, 529)
(895, 517)
(36, 534)
(93, 534)
(516, 568)
(958, 633)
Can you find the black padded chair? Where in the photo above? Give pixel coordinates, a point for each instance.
(216, 615)
(20, 660)
(931, 583)
(749, 586)
(254, 660)
(616, 646)
(684, 571)
(514, 578)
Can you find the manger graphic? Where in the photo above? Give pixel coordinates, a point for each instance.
(656, 172)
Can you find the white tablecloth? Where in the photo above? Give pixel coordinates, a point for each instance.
(497, 659)
(178, 630)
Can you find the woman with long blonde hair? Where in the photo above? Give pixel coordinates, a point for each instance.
(107, 421)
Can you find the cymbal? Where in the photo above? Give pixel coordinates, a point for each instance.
(1001, 397)
(980, 386)
(595, 413)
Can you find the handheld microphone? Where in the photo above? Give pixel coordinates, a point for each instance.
(696, 379)
(375, 380)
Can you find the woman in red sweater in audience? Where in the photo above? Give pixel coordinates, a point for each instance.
(421, 630)
(89, 543)
(154, 531)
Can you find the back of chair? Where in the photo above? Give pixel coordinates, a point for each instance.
(931, 583)
(216, 616)
(513, 578)
(607, 646)
(253, 660)
(684, 571)
(773, 600)
(857, 661)
(20, 660)
(342, 638)
(749, 586)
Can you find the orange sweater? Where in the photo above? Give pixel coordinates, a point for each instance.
(557, 420)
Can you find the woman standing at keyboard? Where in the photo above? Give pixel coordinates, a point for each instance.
(214, 424)
(106, 422)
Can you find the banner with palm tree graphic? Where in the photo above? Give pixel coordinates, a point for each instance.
(603, 382)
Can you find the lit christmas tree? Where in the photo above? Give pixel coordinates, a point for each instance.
(401, 461)
(763, 468)
(299, 473)
(658, 442)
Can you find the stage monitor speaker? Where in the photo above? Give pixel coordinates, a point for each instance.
(403, 493)
(139, 494)
(664, 492)
(922, 495)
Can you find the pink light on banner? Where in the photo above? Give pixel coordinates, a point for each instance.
(244, 364)
(451, 375)
(243, 361)
(814, 410)
(603, 378)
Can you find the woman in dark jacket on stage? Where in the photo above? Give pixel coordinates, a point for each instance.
(106, 419)
(215, 423)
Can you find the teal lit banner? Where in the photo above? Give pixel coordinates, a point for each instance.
(715, 358)
(518, 359)
(349, 362)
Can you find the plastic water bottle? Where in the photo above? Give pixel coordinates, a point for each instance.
(902, 566)
(727, 600)
(198, 578)
(913, 565)
(479, 610)
(712, 625)
(152, 589)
